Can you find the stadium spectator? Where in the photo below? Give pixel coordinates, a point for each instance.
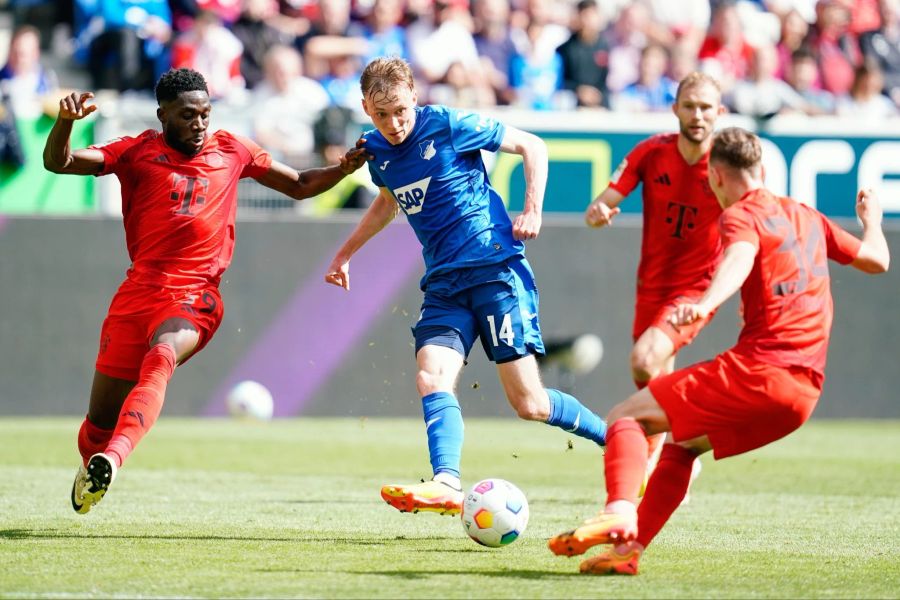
(834, 46)
(680, 246)
(460, 89)
(123, 43)
(685, 21)
(682, 61)
(763, 95)
(168, 307)
(803, 75)
(442, 39)
(725, 54)
(341, 81)
(627, 40)
(794, 30)
(213, 50)
(257, 34)
(24, 80)
(383, 30)
(552, 16)
(883, 47)
(328, 43)
(760, 390)
(477, 282)
(286, 104)
(653, 91)
(494, 44)
(865, 100)
(535, 76)
(585, 56)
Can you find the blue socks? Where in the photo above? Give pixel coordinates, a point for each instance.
(569, 414)
(444, 426)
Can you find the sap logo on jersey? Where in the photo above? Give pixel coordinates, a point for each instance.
(412, 197)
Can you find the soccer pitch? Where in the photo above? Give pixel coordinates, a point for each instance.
(210, 508)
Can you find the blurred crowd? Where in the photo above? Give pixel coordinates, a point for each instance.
(297, 62)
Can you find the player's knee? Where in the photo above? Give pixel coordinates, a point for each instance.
(530, 407)
(427, 383)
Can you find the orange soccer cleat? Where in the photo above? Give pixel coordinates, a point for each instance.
(605, 528)
(428, 496)
(620, 560)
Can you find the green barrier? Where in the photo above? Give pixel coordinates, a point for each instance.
(34, 190)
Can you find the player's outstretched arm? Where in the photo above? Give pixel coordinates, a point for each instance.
(311, 182)
(58, 155)
(874, 256)
(533, 151)
(601, 211)
(730, 275)
(381, 212)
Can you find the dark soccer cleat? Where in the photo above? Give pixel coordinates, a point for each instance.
(428, 496)
(92, 482)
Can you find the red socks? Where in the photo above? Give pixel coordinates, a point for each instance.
(665, 491)
(91, 440)
(625, 460)
(143, 405)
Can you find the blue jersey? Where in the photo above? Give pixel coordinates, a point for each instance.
(437, 177)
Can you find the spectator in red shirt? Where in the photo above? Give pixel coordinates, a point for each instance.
(725, 53)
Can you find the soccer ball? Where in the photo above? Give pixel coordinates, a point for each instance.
(495, 513)
(250, 400)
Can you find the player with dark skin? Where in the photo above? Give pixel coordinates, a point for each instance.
(185, 124)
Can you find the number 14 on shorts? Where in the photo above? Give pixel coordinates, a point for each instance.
(505, 333)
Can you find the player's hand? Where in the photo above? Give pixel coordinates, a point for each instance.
(355, 158)
(339, 273)
(685, 314)
(600, 214)
(868, 208)
(75, 106)
(527, 226)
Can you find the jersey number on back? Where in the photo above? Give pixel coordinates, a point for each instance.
(805, 258)
(188, 192)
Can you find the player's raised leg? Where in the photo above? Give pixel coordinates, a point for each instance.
(439, 367)
(176, 339)
(526, 394)
(625, 462)
(107, 395)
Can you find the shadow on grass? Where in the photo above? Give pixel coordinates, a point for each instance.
(33, 534)
(418, 575)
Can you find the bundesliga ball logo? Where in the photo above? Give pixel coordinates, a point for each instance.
(495, 513)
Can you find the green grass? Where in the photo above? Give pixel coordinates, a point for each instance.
(291, 509)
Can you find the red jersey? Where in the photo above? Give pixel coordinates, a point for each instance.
(179, 210)
(680, 247)
(786, 298)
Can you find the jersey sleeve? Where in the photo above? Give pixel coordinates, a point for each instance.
(260, 161)
(630, 171)
(738, 225)
(373, 171)
(843, 247)
(113, 151)
(470, 131)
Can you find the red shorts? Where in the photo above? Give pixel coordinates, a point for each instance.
(655, 312)
(135, 313)
(738, 402)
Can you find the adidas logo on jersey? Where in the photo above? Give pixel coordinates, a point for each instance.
(663, 179)
(412, 197)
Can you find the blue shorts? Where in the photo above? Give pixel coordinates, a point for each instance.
(497, 302)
